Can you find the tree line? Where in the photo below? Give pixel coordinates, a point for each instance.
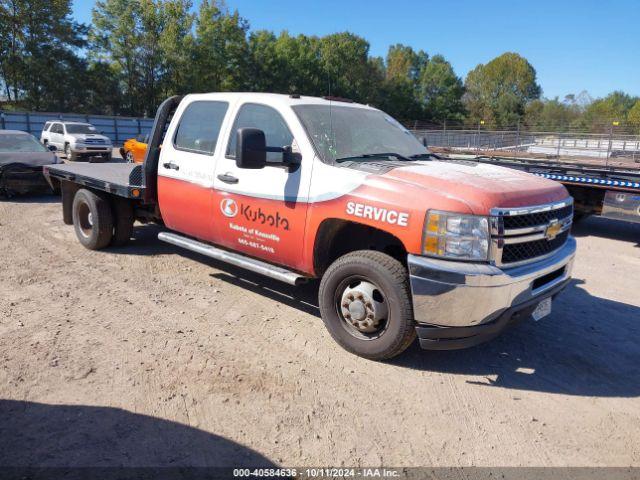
(138, 52)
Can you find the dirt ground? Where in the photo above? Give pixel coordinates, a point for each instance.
(149, 355)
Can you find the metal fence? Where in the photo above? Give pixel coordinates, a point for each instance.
(118, 129)
(545, 144)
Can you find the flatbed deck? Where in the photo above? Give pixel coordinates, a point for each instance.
(611, 178)
(122, 179)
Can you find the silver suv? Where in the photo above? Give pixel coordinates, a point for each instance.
(77, 140)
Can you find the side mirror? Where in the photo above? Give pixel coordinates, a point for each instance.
(251, 148)
(52, 148)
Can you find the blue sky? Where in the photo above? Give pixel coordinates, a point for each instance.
(574, 45)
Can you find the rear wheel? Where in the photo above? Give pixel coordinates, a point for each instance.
(92, 219)
(123, 222)
(365, 303)
(129, 157)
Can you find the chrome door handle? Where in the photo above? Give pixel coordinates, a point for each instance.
(171, 166)
(227, 178)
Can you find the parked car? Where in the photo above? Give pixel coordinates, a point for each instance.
(133, 149)
(21, 161)
(77, 140)
(404, 243)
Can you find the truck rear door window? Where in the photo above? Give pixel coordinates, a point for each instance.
(199, 127)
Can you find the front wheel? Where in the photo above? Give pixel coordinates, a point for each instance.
(365, 303)
(72, 157)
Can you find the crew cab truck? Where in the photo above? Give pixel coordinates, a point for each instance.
(296, 188)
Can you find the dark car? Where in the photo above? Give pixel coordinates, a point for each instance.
(22, 157)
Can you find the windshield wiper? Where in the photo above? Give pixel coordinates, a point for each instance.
(418, 156)
(376, 155)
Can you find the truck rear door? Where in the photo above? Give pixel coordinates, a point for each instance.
(186, 168)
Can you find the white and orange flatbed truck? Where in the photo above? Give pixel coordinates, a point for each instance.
(296, 188)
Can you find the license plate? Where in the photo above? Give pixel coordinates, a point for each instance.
(542, 310)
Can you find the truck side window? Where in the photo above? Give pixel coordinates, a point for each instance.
(199, 127)
(268, 120)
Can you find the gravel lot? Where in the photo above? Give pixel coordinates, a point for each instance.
(148, 355)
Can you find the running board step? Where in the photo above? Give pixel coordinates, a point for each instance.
(236, 259)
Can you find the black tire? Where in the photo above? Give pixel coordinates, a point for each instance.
(72, 157)
(390, 277)
(123, 222)
(579, 216)
(92, 219)
(106, 157)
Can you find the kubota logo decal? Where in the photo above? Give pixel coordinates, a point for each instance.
(229, 207)
(257, 215)
(378, 214)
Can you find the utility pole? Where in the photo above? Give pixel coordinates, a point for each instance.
(478, 136)
(615, 123)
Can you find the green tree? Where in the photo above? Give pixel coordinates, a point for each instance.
(221, 52)
(39, 45)
(441, 91)
(552, 115)
(633, 117)
(398, 89)
(176, 42)
(302, 69)
(499, 91)
(101, 92)
(344, 58)
(403, 63)
(116, 40)
(148, 45)
(599, 115)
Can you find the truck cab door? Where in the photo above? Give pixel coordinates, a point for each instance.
(186, 168)
(263, 212)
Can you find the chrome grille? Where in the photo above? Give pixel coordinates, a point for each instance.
(523, 235)
(533, 219)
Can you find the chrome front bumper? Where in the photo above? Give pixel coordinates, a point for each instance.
(456, 295)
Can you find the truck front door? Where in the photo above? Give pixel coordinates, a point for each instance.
(263, 212)
(186, 168)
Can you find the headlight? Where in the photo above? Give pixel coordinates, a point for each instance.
(455, 236)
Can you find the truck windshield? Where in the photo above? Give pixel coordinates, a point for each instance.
(17, 142)
(80, 128)
(357, 134)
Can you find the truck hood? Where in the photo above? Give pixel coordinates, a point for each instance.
(480, 186)
(81, 137)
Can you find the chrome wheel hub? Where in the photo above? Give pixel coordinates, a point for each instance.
(362, 306)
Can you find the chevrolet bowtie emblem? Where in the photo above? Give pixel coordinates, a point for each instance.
(553, 229)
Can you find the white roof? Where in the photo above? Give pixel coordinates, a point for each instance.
(275, 99)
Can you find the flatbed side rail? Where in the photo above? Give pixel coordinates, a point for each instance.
(612, 178)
